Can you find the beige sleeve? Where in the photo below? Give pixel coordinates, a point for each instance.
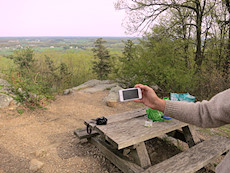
(213, 113)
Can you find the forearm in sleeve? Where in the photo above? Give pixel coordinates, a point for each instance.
(213, 113)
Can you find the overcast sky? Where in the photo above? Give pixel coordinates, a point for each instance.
(60, 18)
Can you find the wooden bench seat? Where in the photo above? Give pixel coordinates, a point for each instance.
(193, 159)
(82, 133)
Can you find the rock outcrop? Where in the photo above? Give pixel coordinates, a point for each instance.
(5, 92)
(92, 86)
(91, 83)
(95, 85)
(113, 97)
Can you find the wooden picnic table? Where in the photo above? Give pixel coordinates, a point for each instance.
(126, 133)
(122, 141)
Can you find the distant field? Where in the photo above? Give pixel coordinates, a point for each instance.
(75, 52)
(9, 44)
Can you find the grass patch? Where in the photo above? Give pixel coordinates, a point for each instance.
(20, 111)
(207, 131)
(221, 131)
(224, 130)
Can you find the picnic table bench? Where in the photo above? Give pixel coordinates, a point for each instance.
(126, 133)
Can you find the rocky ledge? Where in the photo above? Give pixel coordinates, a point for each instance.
(5, 94)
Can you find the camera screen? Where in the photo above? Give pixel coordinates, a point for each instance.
(130, 94)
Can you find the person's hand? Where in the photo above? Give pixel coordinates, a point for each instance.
(150, 99)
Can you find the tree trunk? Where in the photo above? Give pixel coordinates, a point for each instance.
(227, 59)
(198, 57)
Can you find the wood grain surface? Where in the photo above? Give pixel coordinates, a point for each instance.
(132, 131)
(193, 159)
(115, 157)
(120, 117)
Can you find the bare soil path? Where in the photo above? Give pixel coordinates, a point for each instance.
(47, 135)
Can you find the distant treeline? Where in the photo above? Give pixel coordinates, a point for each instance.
(39, 44)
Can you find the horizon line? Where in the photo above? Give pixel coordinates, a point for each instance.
(65, 36)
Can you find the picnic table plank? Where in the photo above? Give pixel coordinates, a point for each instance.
(193, 159)
(188, 136)
(140, 155)
(115, 157)
(120, 117)
(82, 133)
(127, 133)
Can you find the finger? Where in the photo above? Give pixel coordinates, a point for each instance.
(137, 85)
(143, 87)
(146, 88)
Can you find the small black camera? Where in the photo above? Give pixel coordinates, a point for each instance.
(101, 121)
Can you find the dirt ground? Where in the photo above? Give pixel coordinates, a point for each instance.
(47, 136)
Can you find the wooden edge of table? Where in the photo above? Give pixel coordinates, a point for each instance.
(120, 117)
(151, 135)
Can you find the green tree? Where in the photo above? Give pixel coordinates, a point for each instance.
(223, 20)
(58, 77)
(101, 65)
(129, 51)
(127, 74)
(33, 81)
(142, 14)
(26, 80)
(155, 61)
(24, 58)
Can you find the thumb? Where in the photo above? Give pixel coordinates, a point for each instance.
(138, 100)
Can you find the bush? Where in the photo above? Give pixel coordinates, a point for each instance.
(37, 79)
